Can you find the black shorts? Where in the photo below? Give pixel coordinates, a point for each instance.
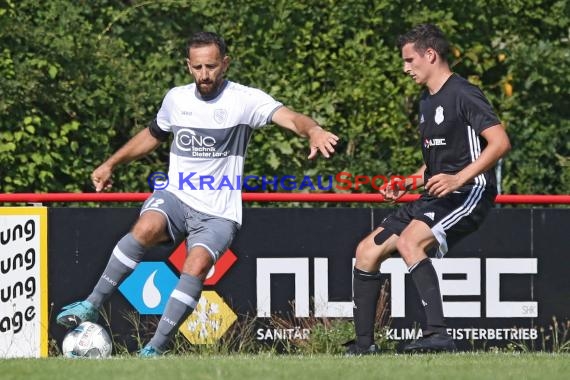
(450, 218)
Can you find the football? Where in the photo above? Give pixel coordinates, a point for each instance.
(88, 340)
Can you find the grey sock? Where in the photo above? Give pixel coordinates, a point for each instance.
(180, 305)
(127, 254)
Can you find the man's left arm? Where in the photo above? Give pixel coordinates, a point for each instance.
(498, 145)
(319, 139)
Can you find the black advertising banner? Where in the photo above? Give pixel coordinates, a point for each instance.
(551, 245)
(501, 284)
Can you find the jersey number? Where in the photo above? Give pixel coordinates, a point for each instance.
(155, 203)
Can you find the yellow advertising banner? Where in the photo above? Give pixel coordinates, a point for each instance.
(23, 282)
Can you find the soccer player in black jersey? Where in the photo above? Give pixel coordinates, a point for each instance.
(462, 139)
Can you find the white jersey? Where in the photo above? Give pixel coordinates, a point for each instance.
(210, 141)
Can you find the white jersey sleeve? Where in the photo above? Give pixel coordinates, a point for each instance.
(167, 109)
(260, 107)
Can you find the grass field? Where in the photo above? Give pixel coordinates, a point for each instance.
(288, 367)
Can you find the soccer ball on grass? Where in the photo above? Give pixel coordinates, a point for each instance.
(88, 340)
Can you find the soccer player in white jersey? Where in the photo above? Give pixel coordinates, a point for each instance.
(212, 120)
(462, 139)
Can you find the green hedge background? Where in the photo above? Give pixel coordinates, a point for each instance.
(79, 78)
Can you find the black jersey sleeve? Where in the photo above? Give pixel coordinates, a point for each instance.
(157, 132)
(476, 109)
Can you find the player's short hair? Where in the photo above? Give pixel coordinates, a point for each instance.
(425, 36)
(207, 38)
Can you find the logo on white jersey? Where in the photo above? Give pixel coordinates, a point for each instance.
(439, 115)
(220, 115)
(187, 139)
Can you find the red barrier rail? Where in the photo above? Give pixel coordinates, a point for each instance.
(264, 197)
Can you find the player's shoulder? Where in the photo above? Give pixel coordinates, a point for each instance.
(179, 94)
(243, 90)
(182, 90)
(462, 85)
(458, 80)
(462, 90)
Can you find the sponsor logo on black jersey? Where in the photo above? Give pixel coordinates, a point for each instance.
(428, 143)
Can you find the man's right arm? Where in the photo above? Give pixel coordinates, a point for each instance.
(140, 145)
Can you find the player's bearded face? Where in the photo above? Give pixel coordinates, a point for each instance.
(208, 68)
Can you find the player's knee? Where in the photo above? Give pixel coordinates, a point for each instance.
(198, 265)
(148, 233)
(361, 250)
(369, 255)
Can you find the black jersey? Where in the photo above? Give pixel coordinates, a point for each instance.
(451, 122)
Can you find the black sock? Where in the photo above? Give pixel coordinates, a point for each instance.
(366, 288)
(427, 284)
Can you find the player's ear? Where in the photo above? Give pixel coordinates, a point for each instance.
(226, 63)
(431, 55)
